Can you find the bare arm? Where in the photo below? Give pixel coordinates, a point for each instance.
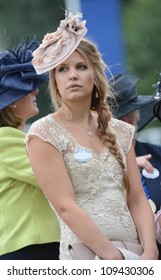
(50, 171)
(141, 210)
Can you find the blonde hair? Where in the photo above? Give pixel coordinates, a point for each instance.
(99, 103)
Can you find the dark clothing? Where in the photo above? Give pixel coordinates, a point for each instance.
(154, 185)
(48, 251)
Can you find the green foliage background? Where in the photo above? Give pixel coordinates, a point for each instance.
(28, 17)
(22, 18)
(142, 30)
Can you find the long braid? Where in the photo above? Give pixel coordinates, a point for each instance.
(109, 139)
(99, 103)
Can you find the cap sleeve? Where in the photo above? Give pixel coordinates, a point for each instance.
(125, 134)
(47, 131)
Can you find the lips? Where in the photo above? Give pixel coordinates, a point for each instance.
(73, 86)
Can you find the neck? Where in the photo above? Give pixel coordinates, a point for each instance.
(81, 120)
(21, 126)
(81, 116)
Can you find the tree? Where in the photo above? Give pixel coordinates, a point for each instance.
(142, 27)
(27, 17)
(22, 18)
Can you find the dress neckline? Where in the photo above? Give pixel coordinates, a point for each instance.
(95, 154)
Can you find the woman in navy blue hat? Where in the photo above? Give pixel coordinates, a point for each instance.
(29, 228)
(138, 111)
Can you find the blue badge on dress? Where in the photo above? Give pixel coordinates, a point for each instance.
(82, 155)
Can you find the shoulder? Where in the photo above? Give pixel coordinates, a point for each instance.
(13, 155)
(46, 129)
(40, 123)
(122, 126)
(11, 132)
(142, 148)
(43, 127)
(11, 139)
(124, 132)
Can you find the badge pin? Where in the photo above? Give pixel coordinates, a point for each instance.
(82, 155)
(153, 175)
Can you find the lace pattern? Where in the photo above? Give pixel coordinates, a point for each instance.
(98, 183)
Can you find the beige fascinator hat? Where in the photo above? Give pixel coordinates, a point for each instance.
(59, 45)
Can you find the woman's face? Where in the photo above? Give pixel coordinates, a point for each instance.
(26, 107)
(74, 78)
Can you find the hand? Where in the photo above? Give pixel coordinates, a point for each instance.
(143, 162)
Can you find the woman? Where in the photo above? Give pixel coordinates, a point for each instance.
(132, 108)
(81, 155)
(29, 228)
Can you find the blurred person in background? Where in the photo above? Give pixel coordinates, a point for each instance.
(28, 227)
(138, 111)
(157, 106)
(157, 113)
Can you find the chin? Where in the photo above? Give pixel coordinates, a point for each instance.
(34, 112)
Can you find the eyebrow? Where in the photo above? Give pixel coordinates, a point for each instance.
(80, 62)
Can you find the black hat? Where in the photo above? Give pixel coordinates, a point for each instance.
(127, 100)
(17, 74)
(157, 110)
(157, 106)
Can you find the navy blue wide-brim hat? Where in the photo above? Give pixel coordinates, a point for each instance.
(17, 74)
(125, 99)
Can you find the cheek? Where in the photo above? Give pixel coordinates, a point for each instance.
(59, 86)
(90, 81)
(59, 82)
(25, 103)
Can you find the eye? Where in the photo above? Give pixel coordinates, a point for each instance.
(82, 66)
(62, 68)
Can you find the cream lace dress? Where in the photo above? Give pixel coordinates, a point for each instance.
(97, 181)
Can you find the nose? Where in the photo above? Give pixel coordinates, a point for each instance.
(73, 74)
(35, 92)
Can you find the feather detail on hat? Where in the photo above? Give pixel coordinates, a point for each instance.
(58, 45)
